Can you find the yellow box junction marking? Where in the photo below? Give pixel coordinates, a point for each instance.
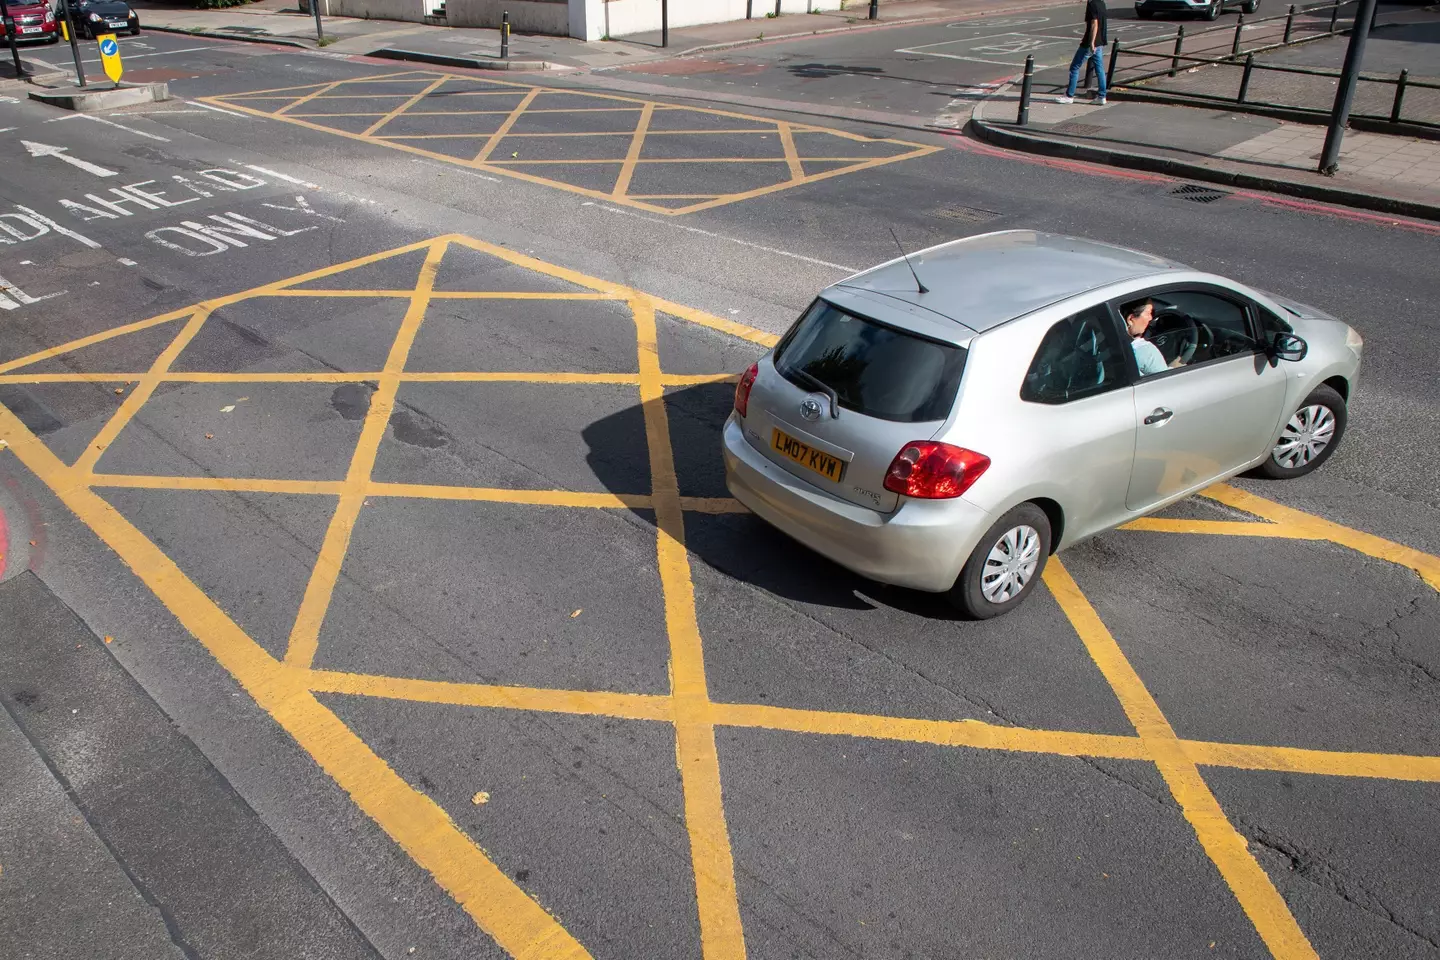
(286, 688)
(631, 147)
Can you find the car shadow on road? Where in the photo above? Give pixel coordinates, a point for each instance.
(737, 544)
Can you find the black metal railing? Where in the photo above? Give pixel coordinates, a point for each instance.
(1154, 64)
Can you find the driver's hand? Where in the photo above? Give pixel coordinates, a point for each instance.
(1177, 362)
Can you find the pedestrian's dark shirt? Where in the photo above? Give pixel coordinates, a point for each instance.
(1095, 11)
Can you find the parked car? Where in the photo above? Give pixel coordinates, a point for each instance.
(1207, 9)
(33, 22)
(947, 429)
(94, 17)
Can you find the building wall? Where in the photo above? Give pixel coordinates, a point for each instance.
(584, 19)
(617, 18)
(411, 10)
(550, 17)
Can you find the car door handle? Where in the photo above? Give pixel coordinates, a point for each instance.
(1159, 416)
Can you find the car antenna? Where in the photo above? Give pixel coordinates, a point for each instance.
(918, 285)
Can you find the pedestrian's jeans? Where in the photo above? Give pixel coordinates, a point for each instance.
(1081, 55)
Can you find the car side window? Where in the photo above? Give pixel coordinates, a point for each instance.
(1192, 326)
(1079, 357)
(1271, 324)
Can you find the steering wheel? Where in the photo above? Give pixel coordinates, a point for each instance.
(1176, 334)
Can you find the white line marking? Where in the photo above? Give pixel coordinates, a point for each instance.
(60, 153)
(126, 261)
(121, 126)
(447, 168)
(164, 53)
(63, 231)
(720, 236)
(278, 175)
(228, 113)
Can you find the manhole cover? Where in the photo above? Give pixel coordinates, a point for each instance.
(1080, 129)
(1198, 194)
(964, 214)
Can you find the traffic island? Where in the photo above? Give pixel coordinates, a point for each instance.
(88, 100)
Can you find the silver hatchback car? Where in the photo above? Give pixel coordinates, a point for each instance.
(946, 422)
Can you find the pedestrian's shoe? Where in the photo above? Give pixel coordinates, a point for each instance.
(1100, 102)
(1064, 99)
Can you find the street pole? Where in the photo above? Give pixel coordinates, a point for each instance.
(10, 35)
(319, 30)
(505, 35)
(664, 23)
(74, 44)
(1345, 93)
(1023, 117)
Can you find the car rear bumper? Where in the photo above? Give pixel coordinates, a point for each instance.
(922, 545)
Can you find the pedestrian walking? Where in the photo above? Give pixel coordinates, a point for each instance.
(1091, 49)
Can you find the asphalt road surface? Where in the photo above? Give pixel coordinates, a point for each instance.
(372, 589)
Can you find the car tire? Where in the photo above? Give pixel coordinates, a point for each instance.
(1145, 14)
(1309, 438)
(1250, 6)
(988, 585)
(1213, 11)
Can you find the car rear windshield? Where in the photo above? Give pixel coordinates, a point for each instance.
(873, 369)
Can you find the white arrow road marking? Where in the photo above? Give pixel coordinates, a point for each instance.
(45, 150)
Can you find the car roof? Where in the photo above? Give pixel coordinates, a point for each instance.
(981, 282)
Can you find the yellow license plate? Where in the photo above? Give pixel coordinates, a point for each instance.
(807, 456)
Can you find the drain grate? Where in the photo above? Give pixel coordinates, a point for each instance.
(964, 214)
(1080, 129)
(1198, 194)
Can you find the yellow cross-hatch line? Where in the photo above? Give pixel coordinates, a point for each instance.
(1258, 897)
(286, 690)
(722, 936)
(412, 819)
(394, 106)
(305, 637)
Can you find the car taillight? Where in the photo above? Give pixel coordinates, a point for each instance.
(934, 471)
(742, 389)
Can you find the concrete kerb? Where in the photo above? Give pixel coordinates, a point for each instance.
(1037, 143)
(91, 100)
(223, 35)
(446, 60)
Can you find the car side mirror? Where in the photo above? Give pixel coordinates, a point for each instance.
(1287, 346)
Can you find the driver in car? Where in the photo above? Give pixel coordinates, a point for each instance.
(1148, 358)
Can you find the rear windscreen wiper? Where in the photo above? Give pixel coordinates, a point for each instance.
(821, 387)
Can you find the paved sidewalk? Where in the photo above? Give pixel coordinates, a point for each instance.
(1378, 172)
(1405, 38)
(283, 21)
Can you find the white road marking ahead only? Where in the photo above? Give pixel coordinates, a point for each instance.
(60, 153)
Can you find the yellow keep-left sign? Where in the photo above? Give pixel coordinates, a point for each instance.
(110, 56)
